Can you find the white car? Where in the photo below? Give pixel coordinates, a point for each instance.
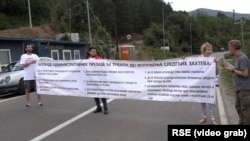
(11, 77)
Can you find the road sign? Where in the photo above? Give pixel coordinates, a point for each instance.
(129, 36)
(165, 48)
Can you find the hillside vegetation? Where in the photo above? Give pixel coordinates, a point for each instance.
(111, 20)
(41, 32)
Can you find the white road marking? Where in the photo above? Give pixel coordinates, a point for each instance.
(59, 127)
(221, 108)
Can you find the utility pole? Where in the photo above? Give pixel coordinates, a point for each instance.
(70, 24)
(241, 22)
(233, 28)
(29, 14)
(116, 36)
(163, 29)
(191, 42)
(90, 36)
(242, 32)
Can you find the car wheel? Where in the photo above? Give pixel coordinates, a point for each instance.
(21, 89)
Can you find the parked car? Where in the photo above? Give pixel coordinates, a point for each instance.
(222, 49)
(11, 78)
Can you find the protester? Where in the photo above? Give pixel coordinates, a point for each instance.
(92, 54)
(242, 81)
(28, 61)
(206, 50)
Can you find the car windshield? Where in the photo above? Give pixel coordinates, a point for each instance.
(17, 67)
(14, 66)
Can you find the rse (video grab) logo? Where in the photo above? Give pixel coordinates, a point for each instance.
(202, 132)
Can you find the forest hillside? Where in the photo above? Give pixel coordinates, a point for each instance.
(40, 32)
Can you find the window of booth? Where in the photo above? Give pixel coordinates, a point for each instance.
(77, 54)
(55, 54)
(4, 57)
(66, 54)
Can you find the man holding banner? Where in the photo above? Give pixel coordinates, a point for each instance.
(189, 80)
(92, 54)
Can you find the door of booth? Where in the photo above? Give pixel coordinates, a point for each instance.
(127, 52)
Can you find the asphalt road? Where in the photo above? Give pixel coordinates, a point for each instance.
(71, 119)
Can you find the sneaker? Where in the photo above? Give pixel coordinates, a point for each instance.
(106, 112)
(214, 122)
(40, 106)
(98, 110)
(203, 120)
(27, 107)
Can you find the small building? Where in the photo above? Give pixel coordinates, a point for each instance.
(127, 52)
(11, 49)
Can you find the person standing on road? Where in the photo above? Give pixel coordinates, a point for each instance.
(242, 81)
(92, 54)
(28, 61)
(206, 50)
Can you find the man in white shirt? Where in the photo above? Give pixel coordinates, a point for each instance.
(28, 61)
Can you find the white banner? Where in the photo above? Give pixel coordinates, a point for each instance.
(187, 80)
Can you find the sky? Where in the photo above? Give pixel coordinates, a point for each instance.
(240, 6)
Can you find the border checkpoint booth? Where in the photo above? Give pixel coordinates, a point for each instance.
(127, 52)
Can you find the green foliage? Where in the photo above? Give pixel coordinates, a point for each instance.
(4, 21)
(156, 54)
(128, 16)
(227, 80)
(53, 7)
(113, 19)
(16, 12)
(66, 37)
(102, 42)
(153, 36)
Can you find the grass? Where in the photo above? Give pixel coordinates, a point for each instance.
(227, 79)
(151, 53)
